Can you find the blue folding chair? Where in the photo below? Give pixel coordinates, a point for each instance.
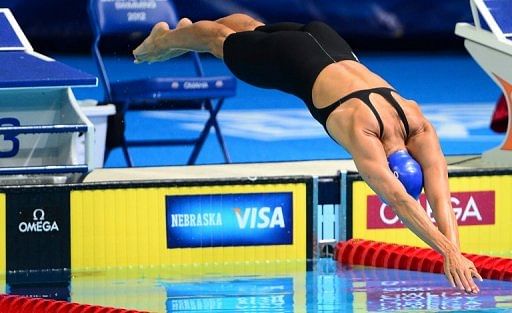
(124, 18)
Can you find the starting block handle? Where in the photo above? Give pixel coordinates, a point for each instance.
(43, 129)
(50, 169)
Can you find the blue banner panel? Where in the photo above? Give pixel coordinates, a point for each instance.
(246, 219)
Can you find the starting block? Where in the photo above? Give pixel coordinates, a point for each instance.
(40, 119)
(489, 41)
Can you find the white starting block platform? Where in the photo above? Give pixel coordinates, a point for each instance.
(489, 41)
(39, 116)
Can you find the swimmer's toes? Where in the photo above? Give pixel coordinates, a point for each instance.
(184, 22)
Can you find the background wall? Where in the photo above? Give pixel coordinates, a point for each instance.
(368, 24)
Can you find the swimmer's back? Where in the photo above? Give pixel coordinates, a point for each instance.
(354, 114)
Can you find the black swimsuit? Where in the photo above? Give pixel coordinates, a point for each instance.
(290, 56)
(364, 95)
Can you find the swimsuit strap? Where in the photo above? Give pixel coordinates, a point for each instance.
(366, 100)
(386, 93)
(364, 95)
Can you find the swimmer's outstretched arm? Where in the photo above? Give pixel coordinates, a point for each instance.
(424, 147)
(370, 159)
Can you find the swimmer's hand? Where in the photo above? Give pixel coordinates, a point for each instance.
(460, 272)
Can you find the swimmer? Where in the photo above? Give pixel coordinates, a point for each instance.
(396, 150)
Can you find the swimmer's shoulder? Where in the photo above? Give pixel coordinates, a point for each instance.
(418, 123)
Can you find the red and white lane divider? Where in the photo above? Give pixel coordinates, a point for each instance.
(20, 304)
(379, 254)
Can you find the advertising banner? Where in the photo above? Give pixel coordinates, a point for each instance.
(481, 203)
(471, 208)
(246, 219)
(180, 225)
(37, 233)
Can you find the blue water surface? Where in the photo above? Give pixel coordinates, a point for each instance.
(327, 287)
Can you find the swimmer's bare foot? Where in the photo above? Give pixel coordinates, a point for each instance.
(177, 52)
(150, 49)
(183, 22)
(153, 48)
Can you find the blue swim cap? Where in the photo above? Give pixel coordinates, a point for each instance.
(408, 172)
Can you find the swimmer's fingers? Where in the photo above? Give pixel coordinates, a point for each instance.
(474, 273)
(457, 279)
(450, 279)
(469, 279)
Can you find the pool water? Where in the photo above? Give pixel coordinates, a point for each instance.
(285, 287)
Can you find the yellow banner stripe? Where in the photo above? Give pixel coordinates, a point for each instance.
(119, 228)
(495, 240)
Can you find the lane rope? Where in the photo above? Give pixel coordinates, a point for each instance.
(21, 304)
(386, 255)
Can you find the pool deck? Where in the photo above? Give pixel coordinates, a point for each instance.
(318, 168)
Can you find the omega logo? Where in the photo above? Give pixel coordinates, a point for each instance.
(41, 216)
(39, 224)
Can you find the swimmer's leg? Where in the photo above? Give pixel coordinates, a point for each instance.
(282, 26)
(240, 22)
(202, 36)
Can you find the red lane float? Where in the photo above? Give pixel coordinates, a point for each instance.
(20, 304)
(380, 254)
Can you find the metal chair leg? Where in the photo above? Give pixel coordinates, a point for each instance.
(220, 137)
(127, 157)
(206, 130)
